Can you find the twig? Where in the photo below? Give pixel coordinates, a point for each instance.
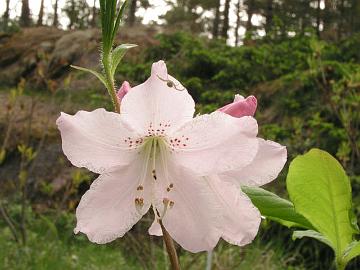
(170, 248)
(9, 222)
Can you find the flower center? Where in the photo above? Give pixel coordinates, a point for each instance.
(154, 151)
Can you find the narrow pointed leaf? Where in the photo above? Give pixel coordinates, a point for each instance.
(313, 234)
(352, 251)
(118, 54)
(275, 208)
(320, 190)
(97, 74)
(119, 18)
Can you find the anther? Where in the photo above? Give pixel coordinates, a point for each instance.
(166, 201)
(154, 174)
(171, 204)
(171, 185)
(140, 187)
(139, 203)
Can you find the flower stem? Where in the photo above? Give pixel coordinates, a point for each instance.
(170, 248)
(110, 82)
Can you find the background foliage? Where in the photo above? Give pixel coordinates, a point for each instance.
(301, 60)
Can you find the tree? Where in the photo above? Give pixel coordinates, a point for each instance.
(41, 14)
(238, 21)
(216, 23)
(268, 15)
(132, 11)
(225, 26)
(6, 15)
(250, 12)
(25, 20)
(78, 13)
(94, 13)
(56, 19)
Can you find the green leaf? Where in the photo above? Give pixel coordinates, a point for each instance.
(352, 251)
(97, 74)
(117, 54)
(119, 18)
(312, 234)
(275, 208)
(321, 192)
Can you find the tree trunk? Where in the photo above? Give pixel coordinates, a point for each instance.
(6, 15)
(41, 14)
(225, 26)
(25, 14)
(131, 20)
(354, 12)
(328, 14)
(340, 26)
(93, 19)
(216, 23)
(56, 19)
(72, 15)
(238, 10)
(250, 13)
(318, 14)
(269, 16)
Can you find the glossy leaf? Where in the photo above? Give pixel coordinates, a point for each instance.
(352, 251)
(312, 234)
(321, 192)
(275, 208)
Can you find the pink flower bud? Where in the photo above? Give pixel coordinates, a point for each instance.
(124, 89)
(241, 106)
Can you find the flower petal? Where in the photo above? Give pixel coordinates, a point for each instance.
(240, 218)
(159, 101)
(266, 166)
(214, 143)
(124, 89)
(192, 219)
(155, 228)
(95, 140)
(107, 210)
(241, 106)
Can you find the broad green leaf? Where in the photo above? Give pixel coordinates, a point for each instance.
(352, 251)
(117, 54)
(97, 74)
(275, 208)
(321, 192)
(312, 234)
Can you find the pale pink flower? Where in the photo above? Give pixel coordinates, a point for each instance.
(154, 154)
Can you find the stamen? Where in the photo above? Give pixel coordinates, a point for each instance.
(168, 189)
(139, 203)
(154, 160)
(166, 203)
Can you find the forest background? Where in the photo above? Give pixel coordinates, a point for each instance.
(300, 58)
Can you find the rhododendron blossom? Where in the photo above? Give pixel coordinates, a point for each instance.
(155, 155)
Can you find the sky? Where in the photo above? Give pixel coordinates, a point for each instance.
(158, 8)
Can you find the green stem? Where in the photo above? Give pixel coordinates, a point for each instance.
(111, 83)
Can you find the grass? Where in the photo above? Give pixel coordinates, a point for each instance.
(52, 245)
